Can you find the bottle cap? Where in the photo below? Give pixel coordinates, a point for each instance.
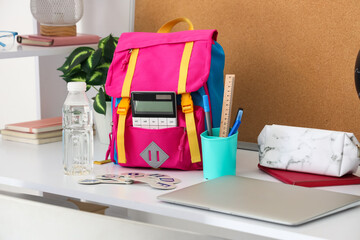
(76, 86)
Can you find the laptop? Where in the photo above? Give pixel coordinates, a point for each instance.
(262, 200)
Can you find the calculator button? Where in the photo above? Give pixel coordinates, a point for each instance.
(162, 121)
(145, 121)
(136, 121)
(171, 122)
(154, 121)
(161, 127)
(153, 127)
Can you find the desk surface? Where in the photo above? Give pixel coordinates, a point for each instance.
(39, 167)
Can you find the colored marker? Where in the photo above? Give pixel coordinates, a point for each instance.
(237, 122)
(207, 114)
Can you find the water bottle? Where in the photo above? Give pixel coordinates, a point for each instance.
(78, 139)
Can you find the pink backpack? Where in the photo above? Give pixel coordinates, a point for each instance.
(188, 63)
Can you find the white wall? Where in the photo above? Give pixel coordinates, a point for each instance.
(18, 91)
(103, 17)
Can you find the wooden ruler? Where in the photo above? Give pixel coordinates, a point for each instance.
(227, 103)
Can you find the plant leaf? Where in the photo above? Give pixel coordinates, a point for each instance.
(109, 49)
(102, 42)
(72, 71)
(79, 58)
(92, 61)
(79, 55)
(78, 77)
(104, 66)
(96, 78)
(99, 102)
(65, 66)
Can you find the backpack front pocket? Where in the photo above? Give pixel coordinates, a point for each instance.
(161, 148)
(154, 147)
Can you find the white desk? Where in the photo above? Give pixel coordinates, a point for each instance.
(39, 167)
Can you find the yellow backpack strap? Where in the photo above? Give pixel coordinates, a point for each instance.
(124, 106)
(188, 105)
(188, 109)
(122, 110)
(184, 66)
(125, 92)
(166, 28)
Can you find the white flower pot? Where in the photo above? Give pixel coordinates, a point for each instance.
(103, 124)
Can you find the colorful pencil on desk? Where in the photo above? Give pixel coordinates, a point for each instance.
(207, 114)
(237, 122)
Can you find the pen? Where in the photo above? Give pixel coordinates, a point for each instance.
(237, 122)
(207, 114)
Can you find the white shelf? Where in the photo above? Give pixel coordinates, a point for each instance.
(18, 51)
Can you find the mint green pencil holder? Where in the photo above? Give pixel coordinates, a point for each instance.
(219, 154)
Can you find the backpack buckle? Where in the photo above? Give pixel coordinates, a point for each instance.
(123, 106)
(187, 104)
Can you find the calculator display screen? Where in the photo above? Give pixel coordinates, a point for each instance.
(153, 107)
(153, 104)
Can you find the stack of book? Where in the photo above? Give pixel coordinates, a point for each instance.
(51, 41)
(35, 132)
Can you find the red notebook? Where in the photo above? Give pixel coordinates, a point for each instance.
(310, 180)
(49, 41)
(43, 125)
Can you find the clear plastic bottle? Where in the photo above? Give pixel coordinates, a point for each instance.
(78, 139)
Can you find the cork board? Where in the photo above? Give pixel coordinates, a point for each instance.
(293, 60)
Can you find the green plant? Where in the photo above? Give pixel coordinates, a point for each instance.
(86, 64)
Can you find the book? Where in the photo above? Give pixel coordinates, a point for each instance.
(37, 126)
(308, 179)
(7, 132)
(50, 41)
(32, 141)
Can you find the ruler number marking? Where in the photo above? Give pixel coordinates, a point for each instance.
(227, 102)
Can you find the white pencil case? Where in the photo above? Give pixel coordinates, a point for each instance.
(308, 150)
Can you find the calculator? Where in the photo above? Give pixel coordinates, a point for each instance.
(153, 110)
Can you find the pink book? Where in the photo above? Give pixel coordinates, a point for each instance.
(43, 125)
(49, 41)
(308, 179)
